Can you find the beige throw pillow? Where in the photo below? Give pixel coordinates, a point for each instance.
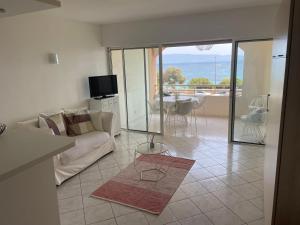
(55, 122)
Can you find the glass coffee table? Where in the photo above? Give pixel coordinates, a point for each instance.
(157, 149)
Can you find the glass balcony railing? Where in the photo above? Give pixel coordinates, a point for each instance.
(198, 90)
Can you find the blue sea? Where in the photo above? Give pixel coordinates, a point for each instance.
(215, 69)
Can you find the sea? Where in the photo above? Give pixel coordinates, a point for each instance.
(215, 68)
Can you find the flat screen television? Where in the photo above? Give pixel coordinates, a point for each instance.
(103, 86)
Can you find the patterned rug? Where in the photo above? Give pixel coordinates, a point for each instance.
(128, 189)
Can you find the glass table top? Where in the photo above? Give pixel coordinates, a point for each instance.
(144, 148)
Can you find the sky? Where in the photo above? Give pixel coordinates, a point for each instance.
(217, 49)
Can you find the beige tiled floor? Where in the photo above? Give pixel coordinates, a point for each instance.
(223, 188)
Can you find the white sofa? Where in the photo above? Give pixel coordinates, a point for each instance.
(88, 147)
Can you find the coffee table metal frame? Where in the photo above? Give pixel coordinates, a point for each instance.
(149, 151)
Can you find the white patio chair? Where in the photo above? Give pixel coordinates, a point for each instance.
(199, 106)
(153, 108)
(255, 120)
(184, 109)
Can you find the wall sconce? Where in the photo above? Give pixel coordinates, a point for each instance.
(53, 58)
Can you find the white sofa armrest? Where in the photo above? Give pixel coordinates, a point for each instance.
(107, 122)
(103, 120)
(33, 124)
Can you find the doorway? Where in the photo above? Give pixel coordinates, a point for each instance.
(200, 73)
(251, 86)
(227, 83)
(137, 71)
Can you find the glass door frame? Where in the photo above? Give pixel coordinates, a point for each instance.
(160, 47)
(232, 90)
(110, 69)
(224, 41)
(235, 44)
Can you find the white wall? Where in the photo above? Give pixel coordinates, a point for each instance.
(247, 23)
(28, 83)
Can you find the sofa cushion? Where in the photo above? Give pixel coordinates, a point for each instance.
(78, 124)
(97, 120)
(55, 122)
(84, 144)
(79, 111)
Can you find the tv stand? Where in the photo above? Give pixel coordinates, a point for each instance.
(104, 96)
(108, 104)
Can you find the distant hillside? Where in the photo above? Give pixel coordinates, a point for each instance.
(188, 58)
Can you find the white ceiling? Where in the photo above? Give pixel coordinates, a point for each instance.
(112, 11)
(15, 7)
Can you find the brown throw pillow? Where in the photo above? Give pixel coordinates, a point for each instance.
(78, 124)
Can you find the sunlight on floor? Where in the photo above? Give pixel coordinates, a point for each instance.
(225, 185)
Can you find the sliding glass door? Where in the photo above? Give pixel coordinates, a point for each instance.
(138, 81)
(117, 67)
(139, 72)
(135, 75)
(251, 90)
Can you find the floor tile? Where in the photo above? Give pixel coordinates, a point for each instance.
(258, 184)
(70, 182)
(189, 179)
(212, 184)
(106, 222)
(247, 211)
(233, 167)
(91, 169)
(69, 191)
(91, 201)
(90, 177)
(109, 173)
(206, 162)
(90, 187)
(228, 196)
(98, 213)
(207, 202)
(196, 220)
(178, 195)
(217, 170)
(70, 204)
(232, 180)
(136, 218)
(257, 222)
(108, 164)
(248, 191)
(120, 210)
(224, 216)
(193, 189)
(249, 175)
(72, 218)
(173, 223)
(184, 208)
(223, 175)
(164, 218)
(201, 174)
(258, 202)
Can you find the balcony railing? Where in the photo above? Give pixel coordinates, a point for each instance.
(187, 89)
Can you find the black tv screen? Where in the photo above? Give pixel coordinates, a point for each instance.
(103, 85)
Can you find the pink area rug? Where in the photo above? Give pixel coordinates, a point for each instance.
(126, 188)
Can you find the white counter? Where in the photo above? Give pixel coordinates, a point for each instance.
(22, 148)
(27, 185)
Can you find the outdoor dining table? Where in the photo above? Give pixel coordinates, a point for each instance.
(170, 101)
